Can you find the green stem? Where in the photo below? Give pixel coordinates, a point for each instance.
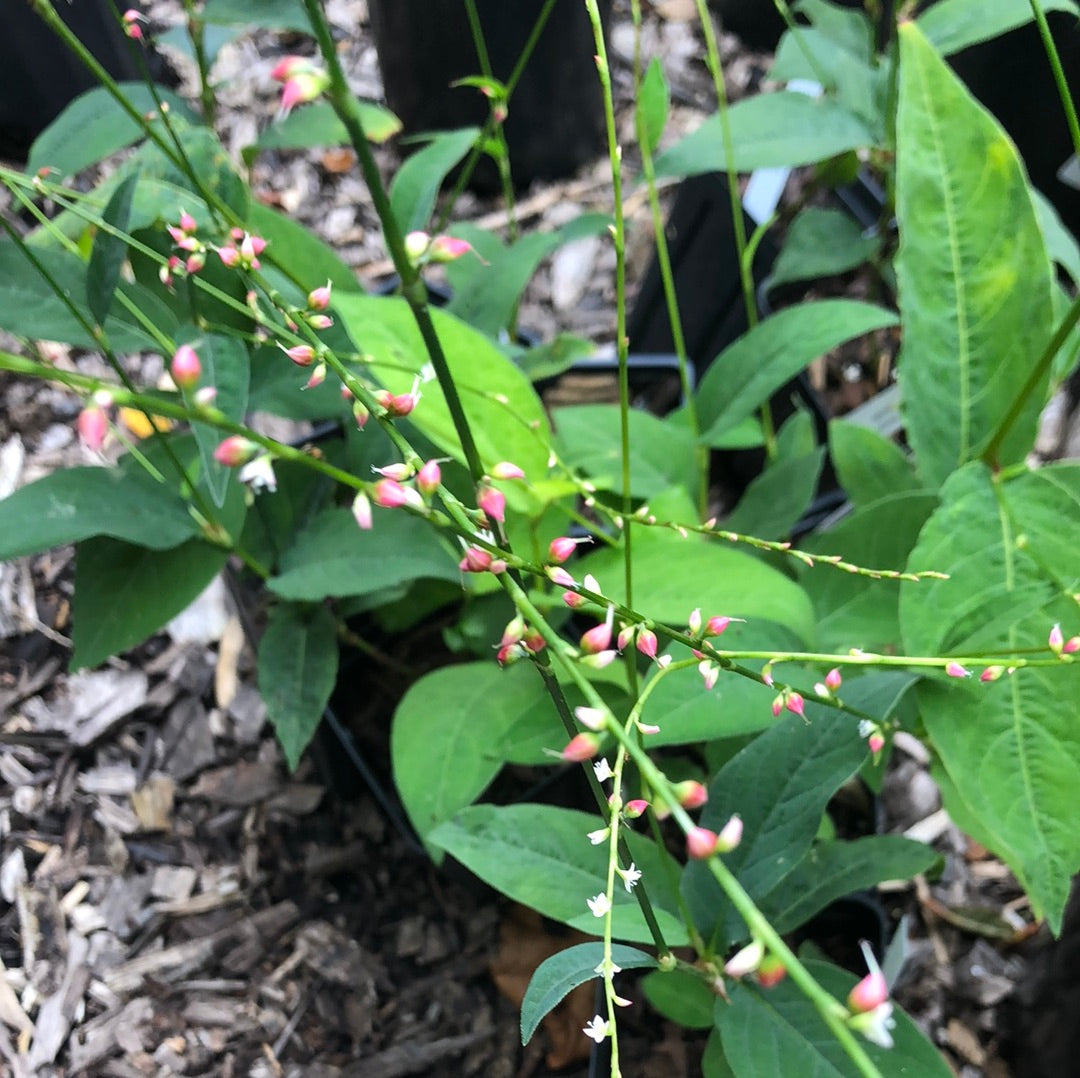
(821, 76)
(196, 29)
(1059, 74)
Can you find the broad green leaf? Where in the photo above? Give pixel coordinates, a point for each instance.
(94, 126)
(769, 1032)
(653, 103)
(750, 370)
(556, 977)
(504, 412)
(1060, 242)
(29, 307)
(109, 252)
(417, 183)
(714, 1063)
(661, 453)
(302, 253)
(489, 297)
(447, 730)
(779, 784)
(681, 997)
(318, 125)
(78, 503)
(821, 243)
(975, 296)
(125, 593)
(673, 575)
(539, 855)
(269, 14)
(1011, 748)
(952, 25)
(225, 366)
(834, 869)
(774, 502)
(332, 556)
(298, 660)
(870, 466)
(769, 131)
(853, 610)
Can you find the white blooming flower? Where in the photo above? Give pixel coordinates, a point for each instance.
(259, 474)
(599, 904)
(876, 1025)
(591, 717)
(866, 728)
(614, 969)
(597, 1028)
(630, 876)
(619, 1001)
(596, 837)
(602, 769)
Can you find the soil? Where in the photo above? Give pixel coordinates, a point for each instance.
(173, 902)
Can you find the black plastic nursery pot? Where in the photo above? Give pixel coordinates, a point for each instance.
(556, 118)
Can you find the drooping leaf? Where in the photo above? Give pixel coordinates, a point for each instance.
(94, 126)
(538, 855)
(975, 296)
(318, 125)
(556, 977)
(779, 784)
(109, 251)
(870, 466)
(821, 243)
(769, 131)
(1011, 748)
(78, 503)
(332, 556)
(749, 371)
(952, 25)
(767, 1032)
(417, 183)
(298, 659)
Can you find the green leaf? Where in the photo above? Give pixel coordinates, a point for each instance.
(1060, 242)
(853, 610)
(769, 131)
(556, 977)
(952, 25)
(318, 125)
(681, 997)
(661, 453)
(750, 370)
(834, 869)
(304, 254)
(214, 39)
(654, 101)
(714, 1063)
(332, 556)
(225, 366)
(447, 730)
(516, 430)
(539, 855)
(31, 308)
(975, 297)
(417, 183)
(821, 243)
(125, 593)
(109, 252)
(673, 575)
(94, 126)
(779, 784)
(870, 466)
(774, 501)
(269, 14)
(78, 503)
(488, 298)
(1011, 748)
(298, 660)
(768, 1032)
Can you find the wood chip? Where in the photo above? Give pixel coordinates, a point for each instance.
(153, 803)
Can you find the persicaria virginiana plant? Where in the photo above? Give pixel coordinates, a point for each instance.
(626, 632)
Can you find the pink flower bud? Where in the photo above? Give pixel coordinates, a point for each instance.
(318, 376)
(195, 262)
(1056, 640)
(319, 321)
(505, 470)
(390, 494)
(493, 503)
(1071, 646)
(872, 990)
(429, 477)
(301, 88)
(647, 643)
(690, 793)
(794, 703)
(130, 19)
(205, 397)
(716, 625)
(416, 245)
(559, 550)
(583, 747)
(992, 673)
(561, 577)
(771, 971)
(694, 623)
(701, 843)
(187, 222)
(956, 670)
(229, 256)
(361, 511)
(397, 404)
(876, 742)
(475, 560)
(573, 600)
(710, 673)
(252, 246)
(448, 249)
(745, 961)
(319, 298)
(598, 638)
(600, 660)
(626, 634)
(360, 414)
(185, 367)
(635, 808)
(730, 835)
(288, 66)
(777, 705)
(398, 472)
(303, 355)
(236, 451)
(534, 639)
(592, 717)
(237, 234)
(833, 679)
(93, 425)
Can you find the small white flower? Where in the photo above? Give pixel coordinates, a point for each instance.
(596, 837)
(630, 876)
(876, 1025)
(866, 728)
(597, 1028)
(599, 904)
(620, 1002)
(602, 769)
(591, 717)
(601, 967)
(259, 474)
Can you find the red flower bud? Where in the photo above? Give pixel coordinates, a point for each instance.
(582, 747)
(93, 426)
(701, 843)
(185, 367)
(235, 451)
